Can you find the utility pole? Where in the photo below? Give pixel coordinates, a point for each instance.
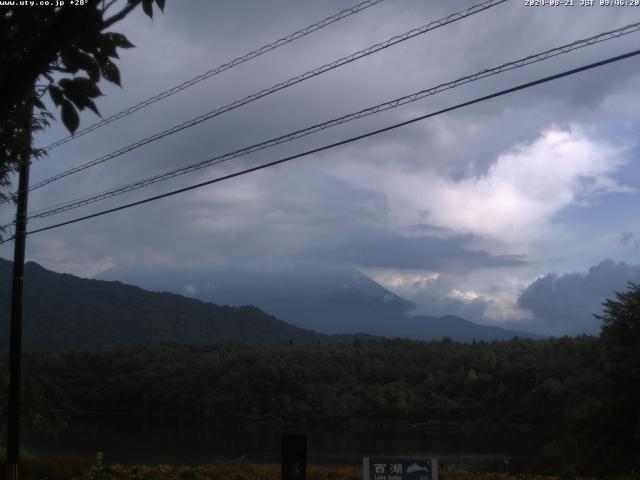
(15, 332)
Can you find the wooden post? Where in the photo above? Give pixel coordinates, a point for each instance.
(15, 328)
(294, 457)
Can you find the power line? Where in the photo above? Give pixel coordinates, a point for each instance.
(344, 142)
(218, 159)
(219, 69)
(280, 86)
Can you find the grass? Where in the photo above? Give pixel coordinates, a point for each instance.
(77, 467)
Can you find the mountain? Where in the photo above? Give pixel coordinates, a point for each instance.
(327, 299)
(67, 312)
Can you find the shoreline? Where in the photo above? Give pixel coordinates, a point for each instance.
(334, 424)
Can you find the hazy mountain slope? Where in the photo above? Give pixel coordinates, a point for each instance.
(330, 300)
(326, 299)
(63, 311)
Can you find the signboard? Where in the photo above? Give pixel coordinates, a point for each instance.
(374, 468)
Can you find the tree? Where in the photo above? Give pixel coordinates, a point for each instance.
(620, 336)
(44, 402)
(61, 51)
(605, 428)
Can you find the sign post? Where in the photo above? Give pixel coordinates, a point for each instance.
(294, 457)
(375, 468)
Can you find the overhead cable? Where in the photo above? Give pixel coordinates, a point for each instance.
(218, 159)
(342, 142)
(219, 69)
(280, 86)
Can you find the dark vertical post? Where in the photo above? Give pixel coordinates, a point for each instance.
(15, 342)
(294, 457)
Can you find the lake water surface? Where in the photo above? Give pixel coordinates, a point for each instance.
(133, 442)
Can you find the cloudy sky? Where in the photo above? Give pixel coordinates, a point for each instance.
(501, 212)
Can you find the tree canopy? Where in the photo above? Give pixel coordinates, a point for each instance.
(621, 381)
(585, 389)
(62, 52)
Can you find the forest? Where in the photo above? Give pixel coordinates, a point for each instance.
(584, 390)
(555, 385)
(64, 312)
(521, 381)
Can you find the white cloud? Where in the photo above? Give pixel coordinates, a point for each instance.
(190, 288)
(56, 254)
(490, 298)
(516, 199)
(527, 186)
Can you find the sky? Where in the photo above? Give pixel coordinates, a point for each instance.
(518, 211)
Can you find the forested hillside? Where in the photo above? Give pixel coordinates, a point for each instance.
(523, 381)
(65, 312)
(200, 362)
(560, 386)
(326, 298)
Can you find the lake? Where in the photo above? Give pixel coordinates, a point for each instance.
(134, 442)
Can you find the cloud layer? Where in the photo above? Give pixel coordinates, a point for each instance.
(519, 195)
(459, 213)
(566, 304)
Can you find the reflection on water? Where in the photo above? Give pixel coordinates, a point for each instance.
(133, 442)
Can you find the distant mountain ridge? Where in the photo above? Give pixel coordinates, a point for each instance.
(66, 312)
(326, 299)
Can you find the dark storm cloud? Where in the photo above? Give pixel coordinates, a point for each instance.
(304, 211)
(261, 220)
(368, 247)
(566, 304)
(630, 241)
(472, 44)
(253, 23)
